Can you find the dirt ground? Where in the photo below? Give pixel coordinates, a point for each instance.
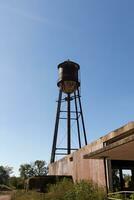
(5, 197)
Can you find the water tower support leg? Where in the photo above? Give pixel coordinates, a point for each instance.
(82, 118)
(56, 128)
(77, 119)
(68, 125)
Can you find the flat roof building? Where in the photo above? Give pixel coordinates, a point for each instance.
(108, 161)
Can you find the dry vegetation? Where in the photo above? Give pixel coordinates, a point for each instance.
(65, 190)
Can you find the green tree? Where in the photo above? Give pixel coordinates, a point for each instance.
(16, 182)
(40, 168)
(5, 174)
(37, 168)
(13, 181)
(26, 171)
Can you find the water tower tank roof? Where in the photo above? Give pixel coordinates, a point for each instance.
(68, 62)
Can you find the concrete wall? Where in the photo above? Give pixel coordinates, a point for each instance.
(87, 169)
(79, 168)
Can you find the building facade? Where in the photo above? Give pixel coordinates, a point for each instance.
(108, 161)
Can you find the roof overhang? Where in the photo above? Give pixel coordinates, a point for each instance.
(122, 149)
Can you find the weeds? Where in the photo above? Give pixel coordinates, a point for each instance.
(83, 190)
(65, 190)
(31, 195)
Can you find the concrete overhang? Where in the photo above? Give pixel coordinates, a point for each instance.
(122, 149)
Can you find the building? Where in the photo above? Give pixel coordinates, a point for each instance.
(108, 161)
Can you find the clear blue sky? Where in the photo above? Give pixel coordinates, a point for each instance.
(35, 36)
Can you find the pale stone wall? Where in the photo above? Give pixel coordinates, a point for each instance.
(79, 168)
(87, 169)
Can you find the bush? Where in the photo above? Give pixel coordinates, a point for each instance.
(65, 190)
(83, 190)
(132, 197)
(16, 182)
(58, 190)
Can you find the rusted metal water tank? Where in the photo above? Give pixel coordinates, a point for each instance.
(68, 80)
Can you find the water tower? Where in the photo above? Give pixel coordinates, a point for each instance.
(69, 93)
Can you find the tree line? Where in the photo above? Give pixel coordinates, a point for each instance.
(27, 170)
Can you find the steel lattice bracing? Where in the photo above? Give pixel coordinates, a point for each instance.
(69, 99)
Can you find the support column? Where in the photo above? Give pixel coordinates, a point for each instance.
(82, 118)
(110, 177)
(56, 128)
(77, 119)
(68, 125)
(105, 168)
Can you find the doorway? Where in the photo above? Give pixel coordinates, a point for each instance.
(122, 175)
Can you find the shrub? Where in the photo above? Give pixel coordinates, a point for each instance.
(132, 197)
(83, 190)
(58, 190)
(65, 190)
